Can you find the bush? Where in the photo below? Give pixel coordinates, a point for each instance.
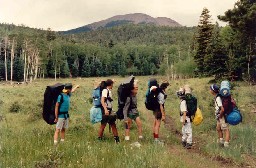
(15, 107)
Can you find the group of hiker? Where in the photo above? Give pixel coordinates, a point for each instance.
(102, 110)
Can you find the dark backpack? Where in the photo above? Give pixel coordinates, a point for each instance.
(191, 102)
(96, 95)
(151, 101)
(124, 91)
(228, 103)
(50, 98)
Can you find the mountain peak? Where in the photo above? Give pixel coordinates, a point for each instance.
(133, 18)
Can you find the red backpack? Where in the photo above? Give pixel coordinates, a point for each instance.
(228, 103)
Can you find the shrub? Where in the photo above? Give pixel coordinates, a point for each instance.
(15, 107)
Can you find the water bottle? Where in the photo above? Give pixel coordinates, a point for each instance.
(225, 88)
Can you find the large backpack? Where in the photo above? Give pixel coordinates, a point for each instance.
(228, 103)
(151, 101)
(96, 94)
(191, 102)
(124, 91)
(50, 98)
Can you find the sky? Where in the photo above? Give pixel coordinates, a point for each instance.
(60, 15)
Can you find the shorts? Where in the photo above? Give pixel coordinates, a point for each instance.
(133, 116)
(157, 114)
(62, 123)
(110, 119)
(223, 124)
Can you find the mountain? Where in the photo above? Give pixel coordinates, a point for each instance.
(136, 18)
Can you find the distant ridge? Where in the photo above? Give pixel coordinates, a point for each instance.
(136, 18)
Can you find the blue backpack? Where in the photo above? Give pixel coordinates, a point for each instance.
(234, 117)
(96, 94)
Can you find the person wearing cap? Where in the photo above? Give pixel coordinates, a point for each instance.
(159, 112)
(107, 117)
(186, 138)
(61, 112)
(222, 126)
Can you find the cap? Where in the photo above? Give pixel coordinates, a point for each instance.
(214, 88)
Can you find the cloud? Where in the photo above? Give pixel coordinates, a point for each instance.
(67, 14)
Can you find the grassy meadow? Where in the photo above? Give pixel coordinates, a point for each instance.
(27, 141)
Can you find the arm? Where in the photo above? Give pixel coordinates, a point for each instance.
(104, 105)
(184, 117)
(221, 111)
(126, 107)
(73, 89)
(56, 111)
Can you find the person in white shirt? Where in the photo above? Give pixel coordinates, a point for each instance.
(222, 126)
(106, 102)
(186, 139)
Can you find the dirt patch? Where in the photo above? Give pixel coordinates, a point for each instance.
(218, 161)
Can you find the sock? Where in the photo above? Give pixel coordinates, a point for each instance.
(55, 142)
(156, 136)
(62, 140)
(140, 137)
(221, 140)
(127, 138)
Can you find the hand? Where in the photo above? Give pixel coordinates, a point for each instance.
(56, 120)
(126, 121)
(106, 112)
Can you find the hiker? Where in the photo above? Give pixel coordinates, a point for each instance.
(107, 117)
(222, 126)
(61, 112)
(131, 113)
(159, 111)
(185, 119)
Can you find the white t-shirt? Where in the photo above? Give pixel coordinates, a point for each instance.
(160, 98)
(183, 107)
(107, 94)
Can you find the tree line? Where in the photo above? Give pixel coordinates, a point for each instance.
(206, 50)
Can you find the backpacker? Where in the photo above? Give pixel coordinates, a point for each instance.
(50, 98)
(124, 91)
(151, 101)
(191, 102)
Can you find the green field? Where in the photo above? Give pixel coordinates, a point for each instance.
(27, 141)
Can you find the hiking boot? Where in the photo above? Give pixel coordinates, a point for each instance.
(184, 143)
(100, 138)
(117, 139)
(226, 144)
(188, 146)
(221, 142)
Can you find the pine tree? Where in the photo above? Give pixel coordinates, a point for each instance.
(64, 70)
(203, 40)
(86, 69)
(216, 59)
(18, 69)
(242, 19)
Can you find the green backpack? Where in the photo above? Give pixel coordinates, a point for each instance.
(191, 104)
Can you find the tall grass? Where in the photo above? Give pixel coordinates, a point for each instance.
(27, 141)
